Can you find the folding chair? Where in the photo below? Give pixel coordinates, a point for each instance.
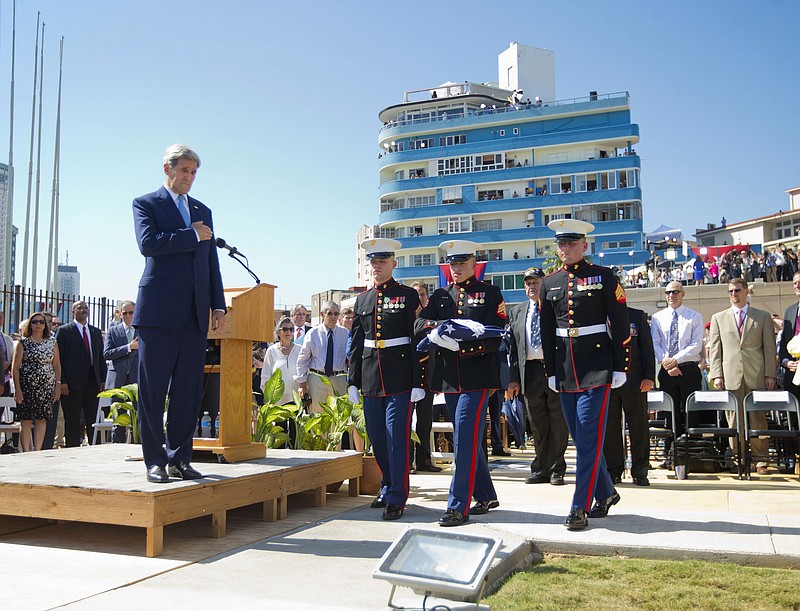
(7, 425)
(440, 428)
(102, 426)
(776, 402)
(663, 423)
(719, 401)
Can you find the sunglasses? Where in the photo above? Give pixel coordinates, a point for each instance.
(287, 329)
(127, 313)
(331, 313)
(675, 292)
(38, 321)
(732, 291)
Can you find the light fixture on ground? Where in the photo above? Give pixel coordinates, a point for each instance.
(438, 563)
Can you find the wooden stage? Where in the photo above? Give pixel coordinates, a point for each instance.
(97, 484)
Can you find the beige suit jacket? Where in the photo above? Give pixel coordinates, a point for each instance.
(747, 360)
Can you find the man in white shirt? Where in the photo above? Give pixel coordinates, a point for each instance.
(678, 339)
(324, 353)
(742, 357)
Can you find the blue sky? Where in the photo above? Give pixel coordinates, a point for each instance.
(281, 101)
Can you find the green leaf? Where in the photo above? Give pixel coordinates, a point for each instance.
(274, 387)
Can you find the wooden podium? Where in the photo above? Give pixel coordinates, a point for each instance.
(249, 319)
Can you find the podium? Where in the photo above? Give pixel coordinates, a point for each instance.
(249, 319)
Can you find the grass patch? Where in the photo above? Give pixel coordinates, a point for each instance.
(570, 582)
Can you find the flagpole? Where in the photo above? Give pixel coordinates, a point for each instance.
(34, 261)
(52, 248)
(24, 278)
(10, 188)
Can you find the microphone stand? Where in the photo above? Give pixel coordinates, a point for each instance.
(233, 255)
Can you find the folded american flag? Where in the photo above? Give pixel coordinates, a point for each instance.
(455, 329)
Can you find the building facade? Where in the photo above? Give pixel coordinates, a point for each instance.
(69, 279)
(494, 165)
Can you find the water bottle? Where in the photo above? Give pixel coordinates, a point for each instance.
(216, 426)
(205, 425)
(628, 464)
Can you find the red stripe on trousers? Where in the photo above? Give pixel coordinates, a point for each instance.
(475, 443)
(599, 446)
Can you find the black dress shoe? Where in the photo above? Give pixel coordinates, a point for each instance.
(641, 481)
(428, 467)
(600, 508)
(557, 479)
(481, 507)
(537, 478)
(453, 518)
(184, 471)
(392, 512)
(576, 520)
(500, 452)
(379, 502)
(157, 475)
(617, 479)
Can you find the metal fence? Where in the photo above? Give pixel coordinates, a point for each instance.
(18, 303)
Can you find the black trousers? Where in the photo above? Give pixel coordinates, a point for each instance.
(421, 452)
(80, 401)
(549, 429)
(679, 388)
(634, 404)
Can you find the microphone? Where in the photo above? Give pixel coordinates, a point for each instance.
(223, 244)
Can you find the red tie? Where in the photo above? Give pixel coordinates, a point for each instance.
(797, 324)
(297, 333)
(86, 344)
(740, 325)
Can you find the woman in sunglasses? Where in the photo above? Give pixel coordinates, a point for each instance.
(282, 355)
(36, 369)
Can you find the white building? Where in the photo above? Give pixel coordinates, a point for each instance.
(68, 280)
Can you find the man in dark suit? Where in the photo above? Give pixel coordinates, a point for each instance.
(791, 327)
(631, 398)
(83, 372)
(181, 284)
(122, 349)
(528, 375)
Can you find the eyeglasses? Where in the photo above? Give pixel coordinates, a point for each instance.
(331, 313)
(38, 321)
(287, 329)
(128, 313)
(674, 292)
(732, 291)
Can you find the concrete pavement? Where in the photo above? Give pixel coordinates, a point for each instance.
(322, 558)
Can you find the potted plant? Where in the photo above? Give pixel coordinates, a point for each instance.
(124, 410)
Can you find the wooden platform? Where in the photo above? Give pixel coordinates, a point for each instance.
(97, 484)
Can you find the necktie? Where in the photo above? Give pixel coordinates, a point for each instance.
(797, 324)
(673, 334)
(329, 355)
(129, 334)
(740, 323)
(297, 333)
(86, 344)
(184, 210)
(536, 338)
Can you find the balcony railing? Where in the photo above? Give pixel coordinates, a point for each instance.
(443, 115)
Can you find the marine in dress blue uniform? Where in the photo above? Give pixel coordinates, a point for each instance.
(386, 368)
(585, 333)
(468, 374)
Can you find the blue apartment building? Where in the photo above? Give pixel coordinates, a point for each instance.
(489, 163)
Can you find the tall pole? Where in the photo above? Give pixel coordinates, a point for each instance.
(52, 246)
(38, 171)
(24, 278)
(57, 174)
(10, 188)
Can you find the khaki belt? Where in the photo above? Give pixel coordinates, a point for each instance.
(579, 331)
(387, 343)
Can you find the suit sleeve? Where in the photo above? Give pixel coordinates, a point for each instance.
(100, 359)
(714, 347)
(646, 349)
(418, 369)
(547, 324)
(770, 353)
(513, 355)
(787, 332)
(214, 275)
(112, 351)
(152, 241)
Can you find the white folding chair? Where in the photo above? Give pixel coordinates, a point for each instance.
(7, 425)
(441, 428)
(102, 426)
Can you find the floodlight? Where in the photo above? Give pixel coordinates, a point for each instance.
(442, 563)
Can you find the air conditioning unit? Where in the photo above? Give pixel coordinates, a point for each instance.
(530, 216)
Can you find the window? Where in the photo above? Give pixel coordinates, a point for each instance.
(491, 194)
(626, 244)
(454, 165)
(502, 132)
(451, 140)
(399, 175)
(609, 212)
(390, 205)
(421, 200)
(478, 163)
(516, 131)
(488, 162)
(555, 217)
(556, 158)
(420, 260)
(416, 230)
(417, 173)
(451, 195)
(580, 183)
(455, 224)
(508, 281)
(488, 225)
(422, 143)
(494, 254)
(388, 232)
(401, 261)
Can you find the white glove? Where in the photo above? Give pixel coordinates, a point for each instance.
(417, 394)
(551, 382)
(445, 342)
(618, 379)
(353, 395)
(473, 325)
